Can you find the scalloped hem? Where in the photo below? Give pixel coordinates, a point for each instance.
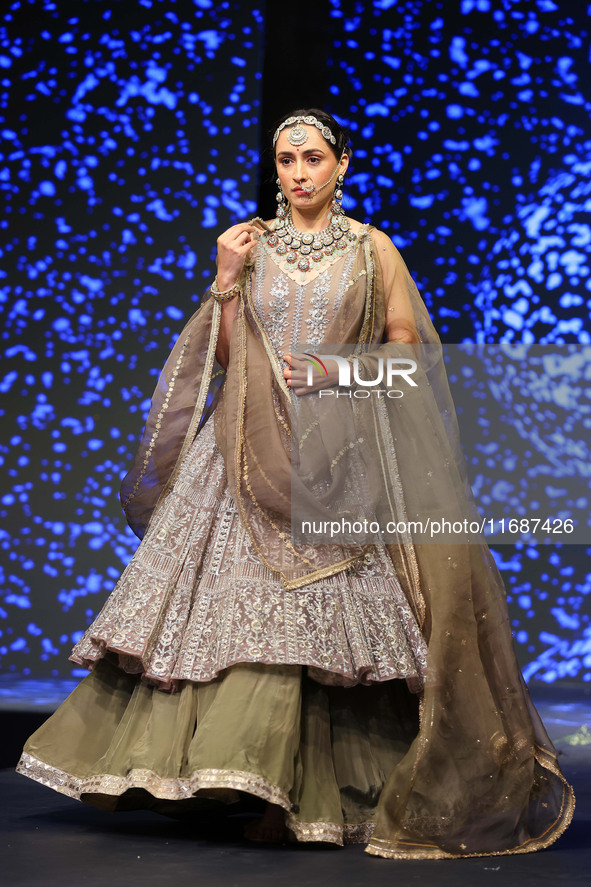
(132, 664)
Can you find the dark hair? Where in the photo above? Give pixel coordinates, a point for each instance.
(342, 146)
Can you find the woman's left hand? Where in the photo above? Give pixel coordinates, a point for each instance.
(325, 373)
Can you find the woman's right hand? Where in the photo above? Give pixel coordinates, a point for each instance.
(233, 247)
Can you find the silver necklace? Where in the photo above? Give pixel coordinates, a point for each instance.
(305, 249)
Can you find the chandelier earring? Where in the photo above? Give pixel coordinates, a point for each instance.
(281, 202)
(336, 206)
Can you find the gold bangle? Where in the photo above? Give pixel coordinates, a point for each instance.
(224, 295)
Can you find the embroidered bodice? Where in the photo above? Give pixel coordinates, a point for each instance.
(296, 308)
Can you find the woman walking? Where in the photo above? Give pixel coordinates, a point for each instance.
(367, 690)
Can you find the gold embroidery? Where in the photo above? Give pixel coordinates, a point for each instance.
(175, 789)
(322, 573)
(199, 406)
(354, 280)
(275, 365)
(308, 431)
(158, 424)
(341, 452)
(330, 832)
(242, 472)
(266, 476)
(407, 850)
(168, 788)
(367, 327)
(399, 508)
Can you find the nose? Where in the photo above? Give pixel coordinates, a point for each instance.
(299, 171)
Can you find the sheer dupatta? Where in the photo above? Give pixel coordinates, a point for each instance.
(481, 776)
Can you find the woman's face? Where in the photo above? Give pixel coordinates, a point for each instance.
(312, 163)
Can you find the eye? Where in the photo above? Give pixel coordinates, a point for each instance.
(314, 160)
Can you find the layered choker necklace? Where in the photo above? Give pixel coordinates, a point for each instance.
(305, 250)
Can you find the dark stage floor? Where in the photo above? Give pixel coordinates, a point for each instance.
(50, 840)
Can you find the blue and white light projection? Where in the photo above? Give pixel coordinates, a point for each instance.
(472, 137)
(130, 139)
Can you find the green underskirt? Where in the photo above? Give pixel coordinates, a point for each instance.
(322, 753)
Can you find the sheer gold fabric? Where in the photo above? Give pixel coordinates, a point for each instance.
(481, 776)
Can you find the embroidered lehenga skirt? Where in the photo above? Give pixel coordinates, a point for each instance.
(208, 679)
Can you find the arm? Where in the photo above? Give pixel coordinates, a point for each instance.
(222, 352)
(233, 247)
(399, 322)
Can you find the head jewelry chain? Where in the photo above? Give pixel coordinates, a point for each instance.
(298, 135)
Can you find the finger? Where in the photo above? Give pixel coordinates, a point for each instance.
(239, 230)
(239, 249)
(242, 237)
(245, 247)
(235, 233)
(305, 355)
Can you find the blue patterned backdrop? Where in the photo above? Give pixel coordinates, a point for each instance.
(130, 138)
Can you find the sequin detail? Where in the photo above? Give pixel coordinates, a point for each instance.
(318, 316)
(181, 788)
(277, 319)
(173, 789)
(196, 599)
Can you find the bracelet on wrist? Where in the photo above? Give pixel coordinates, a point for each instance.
(224, 295)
